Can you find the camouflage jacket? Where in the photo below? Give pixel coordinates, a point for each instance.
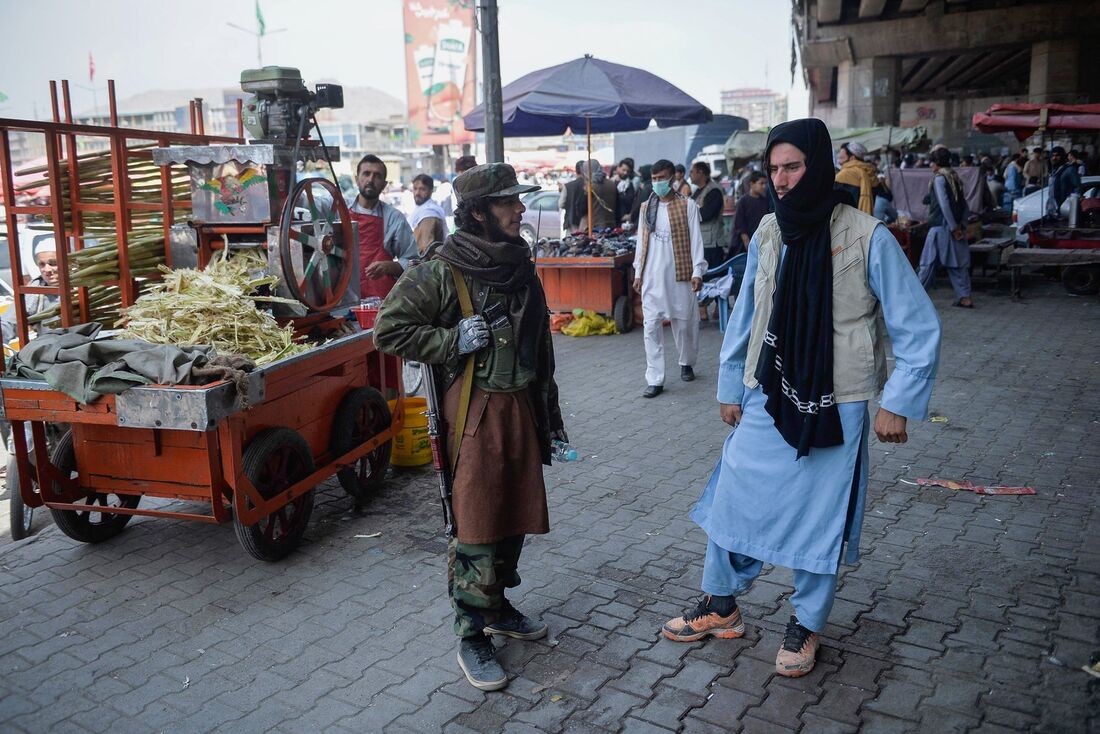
(418, 322)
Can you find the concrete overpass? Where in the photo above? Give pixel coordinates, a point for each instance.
(935, 62)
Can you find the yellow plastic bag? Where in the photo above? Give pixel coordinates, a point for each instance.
(589, 323)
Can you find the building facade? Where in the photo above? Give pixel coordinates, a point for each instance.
(763, 108)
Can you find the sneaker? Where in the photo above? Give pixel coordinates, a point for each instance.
(799, 651)
(513, 624)
(477, 658)
(705, 620)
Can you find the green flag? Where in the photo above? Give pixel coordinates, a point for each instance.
(260, 17)
(3, 97)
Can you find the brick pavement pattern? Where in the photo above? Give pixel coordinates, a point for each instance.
(966, 613)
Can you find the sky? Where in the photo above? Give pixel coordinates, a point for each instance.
(701, 46)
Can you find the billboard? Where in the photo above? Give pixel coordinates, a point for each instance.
(440, 68)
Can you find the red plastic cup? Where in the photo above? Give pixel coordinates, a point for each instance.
(366, 316)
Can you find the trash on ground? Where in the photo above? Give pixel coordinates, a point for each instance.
(967, 485)
(371, 535)
(589, 323)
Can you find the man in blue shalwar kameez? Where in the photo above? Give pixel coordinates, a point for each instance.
(804, 352)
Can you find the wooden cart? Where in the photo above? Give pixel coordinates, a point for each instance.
(601, 284)
(255, 458)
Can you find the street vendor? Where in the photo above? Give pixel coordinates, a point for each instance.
(44, 249)
(804, 353)
(478, 294)
(386, 242)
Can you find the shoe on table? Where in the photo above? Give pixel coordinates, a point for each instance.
(514, 624)
(477, 658)
(687, 374)
(799, 651)
(712, 617)
(652, 391)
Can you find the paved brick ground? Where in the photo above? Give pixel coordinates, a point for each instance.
(966, 613)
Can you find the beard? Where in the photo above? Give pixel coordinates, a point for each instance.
(369, 192)
(494, 233)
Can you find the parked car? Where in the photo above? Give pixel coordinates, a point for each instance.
(542, 218)
(1032, 207)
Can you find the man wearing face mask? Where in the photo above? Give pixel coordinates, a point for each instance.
(386, 242)
(804, 354)
(668, 272)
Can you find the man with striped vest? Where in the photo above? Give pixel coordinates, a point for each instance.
(668, 272)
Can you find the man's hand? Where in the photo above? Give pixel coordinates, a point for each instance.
(958, 233)
(890, 427)
(383, 268)
(637, 285)
(730, 413)
(696, 284)
(473, 334)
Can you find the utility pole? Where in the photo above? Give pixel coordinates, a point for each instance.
(490, 80)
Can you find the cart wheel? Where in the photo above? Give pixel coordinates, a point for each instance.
(362, 414)
(21, 515)
(92, 525)
(412, 377)
(623, 314)
(274, 460)
(1082, 280)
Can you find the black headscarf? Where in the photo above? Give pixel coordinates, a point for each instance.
(507, 268)
(795, 369)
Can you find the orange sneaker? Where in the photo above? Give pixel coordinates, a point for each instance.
(705, 620)
(799, 651)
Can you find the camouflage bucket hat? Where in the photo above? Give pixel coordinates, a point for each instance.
(489, 180)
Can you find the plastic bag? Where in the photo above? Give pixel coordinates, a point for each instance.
(558, 320)
(589, 323)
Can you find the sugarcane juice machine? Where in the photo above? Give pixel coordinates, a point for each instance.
(248, 196)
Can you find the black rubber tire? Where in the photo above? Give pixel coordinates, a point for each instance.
(362, 414)
(1081, 280)
(77, 524)
(623, 313)
(260, 540)
(21, 516)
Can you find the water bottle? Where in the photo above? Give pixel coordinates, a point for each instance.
(563, 451)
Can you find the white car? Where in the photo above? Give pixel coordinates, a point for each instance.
(1030, 208)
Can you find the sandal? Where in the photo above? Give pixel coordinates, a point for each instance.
(960, 304)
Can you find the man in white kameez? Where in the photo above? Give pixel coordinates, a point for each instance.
(804, 353)
(668, 272)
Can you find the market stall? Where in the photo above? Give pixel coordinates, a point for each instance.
(592, 274)
(248, 430)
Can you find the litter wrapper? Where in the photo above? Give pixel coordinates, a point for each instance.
(967, 486)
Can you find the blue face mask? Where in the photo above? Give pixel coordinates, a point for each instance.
(662, 188)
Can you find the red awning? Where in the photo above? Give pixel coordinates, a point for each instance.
(1024, 120)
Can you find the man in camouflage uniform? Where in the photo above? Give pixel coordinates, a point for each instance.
(499, 494)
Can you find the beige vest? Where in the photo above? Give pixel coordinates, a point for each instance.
(859, 332)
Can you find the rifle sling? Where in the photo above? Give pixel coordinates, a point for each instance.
(468, 373)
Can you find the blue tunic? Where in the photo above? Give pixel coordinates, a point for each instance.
(762, 503)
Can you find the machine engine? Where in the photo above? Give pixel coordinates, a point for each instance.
(281, 104)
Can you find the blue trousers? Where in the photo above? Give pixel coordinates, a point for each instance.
(729, 574)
